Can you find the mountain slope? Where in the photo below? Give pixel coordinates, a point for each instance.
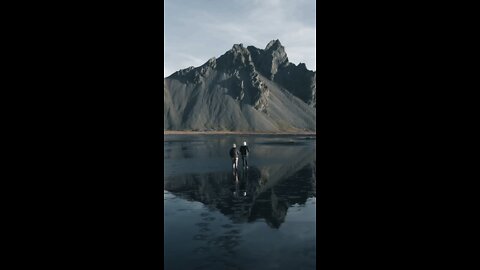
(246, 89)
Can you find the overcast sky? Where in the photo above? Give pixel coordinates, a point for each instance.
(197, 30)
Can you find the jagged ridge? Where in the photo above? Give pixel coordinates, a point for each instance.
(246, 89)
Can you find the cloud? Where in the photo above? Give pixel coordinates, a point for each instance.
(195, 31)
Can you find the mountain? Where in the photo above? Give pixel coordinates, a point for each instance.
(245, 89)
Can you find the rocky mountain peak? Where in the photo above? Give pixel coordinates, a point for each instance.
(238, 47)
(183, 72)
(239, 50)
(271, 59)
(236, 57)
(212, 62)
(274, 44)
(302, 66)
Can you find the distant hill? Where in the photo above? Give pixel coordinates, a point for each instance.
(245, 89)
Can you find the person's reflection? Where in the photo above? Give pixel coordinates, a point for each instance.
(237, 186)
(245, 182)
(240, 186)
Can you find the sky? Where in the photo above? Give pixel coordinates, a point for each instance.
(197, 30)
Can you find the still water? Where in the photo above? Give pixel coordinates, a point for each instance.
(261, 218)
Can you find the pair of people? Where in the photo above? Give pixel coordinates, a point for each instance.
(234, 155)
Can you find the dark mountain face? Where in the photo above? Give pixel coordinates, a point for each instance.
(246, 89)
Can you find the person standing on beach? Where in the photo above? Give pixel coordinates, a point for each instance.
(244, 151)
(234, 156)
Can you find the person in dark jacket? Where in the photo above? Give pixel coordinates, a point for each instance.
(244, 151)
(234, 155)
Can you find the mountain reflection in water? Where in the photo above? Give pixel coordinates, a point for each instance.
(261, 192)
(215, 217)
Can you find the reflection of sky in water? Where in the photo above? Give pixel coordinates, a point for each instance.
(208, 227)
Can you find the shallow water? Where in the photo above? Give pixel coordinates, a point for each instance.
(261, 218)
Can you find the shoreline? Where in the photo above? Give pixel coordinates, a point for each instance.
(178, 132)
